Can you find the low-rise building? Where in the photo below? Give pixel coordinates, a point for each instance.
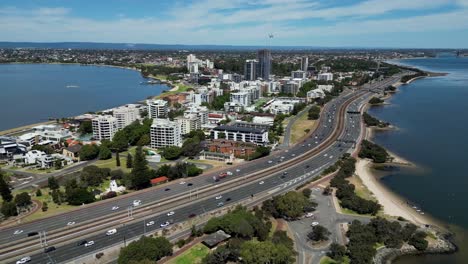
(73, 152)
(165, 133)
(237, 148)
(9, 147)
(245, 134)
(327, 76)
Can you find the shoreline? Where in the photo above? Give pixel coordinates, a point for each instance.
(25, 128)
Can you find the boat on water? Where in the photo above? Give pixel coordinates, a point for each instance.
(151, 82)
(72, 86)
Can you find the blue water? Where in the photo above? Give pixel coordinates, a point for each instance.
(31, 93)
(432, 115)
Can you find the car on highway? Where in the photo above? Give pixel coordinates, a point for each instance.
(315, 224)
(167, 189)
(182, 182)
(261, 182)
(170, 213)
(150, 223)
(23, 260)
(89, 243)
(228, 199)
(165, 224)
(269, 162)
(70, 223)
(115, 208)
(192, 215)
(82, 242)
(309, 215)
(218, 197)
(136, 202)
(30, 234)
(229, 173)
(237, 170)
(220, 204)
(189, 184)
(17, 232)
(111, 232)
(49, 249)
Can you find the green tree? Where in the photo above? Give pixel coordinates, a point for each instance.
(104, 153)
(144, 140)
(254, 252)
(79, 196)
(146, 248)
(129, 161)
(5, 191)
(318, 233)
(9, 209)
(52, 183)
(120, 140)
(172, 152)
(117, 159)
(45, 207)
(140, 177)
(314, 113)
(418, 240)
(291, 205)
(337, 252)
(38, 193)
(86, 127)
(89, 152)
(22, 199)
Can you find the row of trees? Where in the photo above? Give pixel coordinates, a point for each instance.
(345, 190)
(11, 205)
(178, 170)
(191, 147)
(373, 151)
(407, 78)
(371, 121)
(145, 250)
(364, 237)
(375, 101)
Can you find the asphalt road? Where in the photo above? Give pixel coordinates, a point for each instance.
(276, 183)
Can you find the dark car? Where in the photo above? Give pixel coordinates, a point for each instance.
(192, 215)
(228, 199)
(82, 242)
(167, 189)
(189, 184)
(49, 249)
(30, 234)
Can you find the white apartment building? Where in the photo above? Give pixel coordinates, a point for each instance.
(157, 108)
(200, 111)
(327, 87)
(298, 75)
(327, 76)
(314, 94)
(188, 122)
(126, 115)
(165, 133)
(242, 98)
(104, 127)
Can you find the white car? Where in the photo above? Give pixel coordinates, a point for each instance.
(17, 232)
(150, 223)
(115, 208)
(23, 260)
(111, 232)
(165, 224)
(219, 197)
(70, 223)
(229, 173)
(308, 215)
(89, 243)
(237, 170)
(220, 204)
(315, 223)
(170, 213)
(262, 182)
(182, 182)
(270, 161)
(136, 202)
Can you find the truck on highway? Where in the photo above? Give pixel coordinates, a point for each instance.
(220, 176)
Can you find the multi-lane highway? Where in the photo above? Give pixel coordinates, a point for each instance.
(301, 163)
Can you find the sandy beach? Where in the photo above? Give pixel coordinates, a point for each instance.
(392, 204)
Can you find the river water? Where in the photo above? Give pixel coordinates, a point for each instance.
(32, 93)
(432, 119)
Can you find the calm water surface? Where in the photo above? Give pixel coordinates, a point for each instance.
(432, 117)
(31, 93)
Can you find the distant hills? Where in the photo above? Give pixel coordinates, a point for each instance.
(138, 46)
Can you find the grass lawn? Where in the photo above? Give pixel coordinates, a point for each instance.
(361, 190)
(328, 260)
(193, 255)
(111, 164)
(298, 129)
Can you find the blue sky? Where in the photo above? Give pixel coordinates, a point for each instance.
(332, 23)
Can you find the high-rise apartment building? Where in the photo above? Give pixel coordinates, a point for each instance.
(126, 115)
(304, 63)
(250, 70)
(165, 133)
(157, 108)
(264, 64)
(104, 127)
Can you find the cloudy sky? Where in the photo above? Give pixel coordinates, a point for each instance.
(331, 23)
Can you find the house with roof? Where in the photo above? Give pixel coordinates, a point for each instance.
(73, 152)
